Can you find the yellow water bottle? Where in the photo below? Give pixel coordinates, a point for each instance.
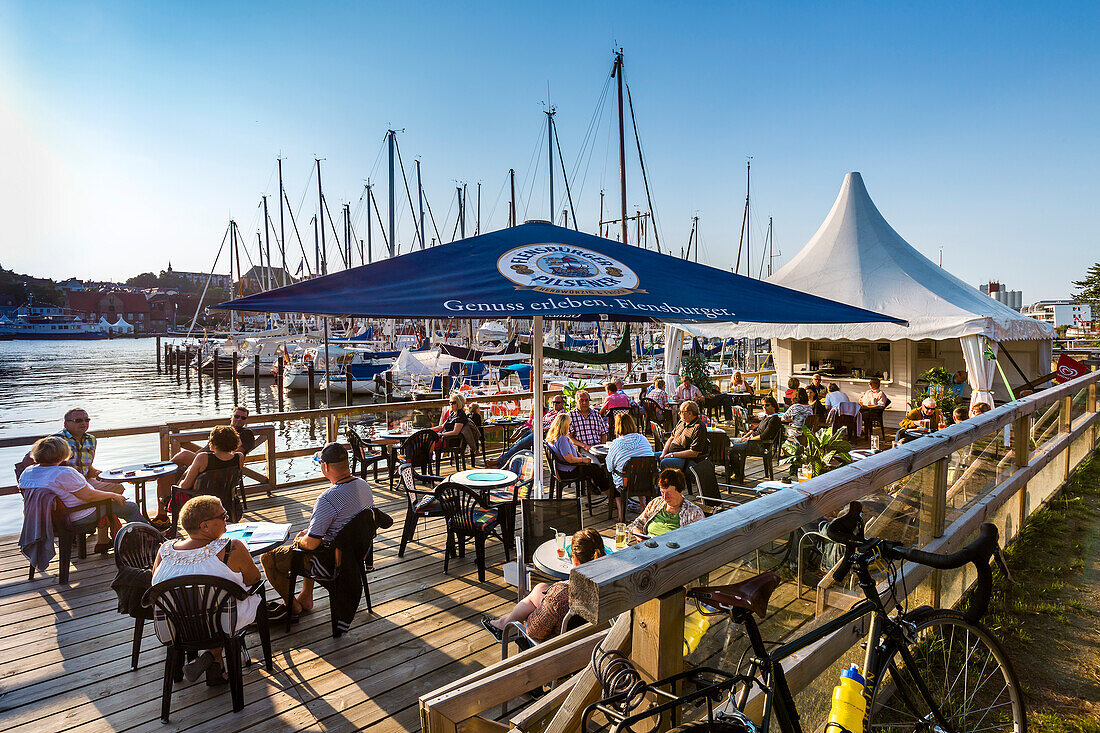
(849, 705)
(695, 626)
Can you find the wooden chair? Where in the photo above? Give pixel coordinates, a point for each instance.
(468, 517)
(355, 543)
(136, 547)
(420, 502)
(192, 607)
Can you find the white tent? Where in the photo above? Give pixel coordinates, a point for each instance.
(857, 258)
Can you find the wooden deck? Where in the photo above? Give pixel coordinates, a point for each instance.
(66, 661)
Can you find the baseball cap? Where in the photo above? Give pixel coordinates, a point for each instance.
(333, 453)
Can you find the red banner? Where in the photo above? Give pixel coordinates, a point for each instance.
(1069, 369)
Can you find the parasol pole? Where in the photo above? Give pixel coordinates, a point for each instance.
(536, 388)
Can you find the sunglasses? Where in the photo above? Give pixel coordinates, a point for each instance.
(80, 419)
(224, 516)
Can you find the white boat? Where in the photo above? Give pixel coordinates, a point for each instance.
(47, 321)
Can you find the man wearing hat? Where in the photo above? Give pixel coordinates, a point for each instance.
(346, 496)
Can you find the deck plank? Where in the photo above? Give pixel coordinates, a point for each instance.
(65, 663)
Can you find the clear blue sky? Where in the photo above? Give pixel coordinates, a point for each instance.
(131, 132)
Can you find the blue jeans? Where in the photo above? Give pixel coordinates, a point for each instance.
(523, 443)
(128, 512)
(680, 463)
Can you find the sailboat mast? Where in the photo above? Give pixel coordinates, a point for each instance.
(461, 213)
(477, 230)
(550, 155)
(617, 72)
(323, 263)
(512, 203)
(267, 245)
(393, 224)
(282, 226)
(370, 255)
(316, 249)
(420, 199)
(232, 282)
(744, 225)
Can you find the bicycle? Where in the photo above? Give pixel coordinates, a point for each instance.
(927, 670)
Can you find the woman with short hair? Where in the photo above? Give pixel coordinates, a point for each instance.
(670, 510)
(206, 552)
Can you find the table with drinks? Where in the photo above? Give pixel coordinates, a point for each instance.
(554, 557)
(387, 440)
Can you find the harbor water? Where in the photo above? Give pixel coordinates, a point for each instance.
(117, 382)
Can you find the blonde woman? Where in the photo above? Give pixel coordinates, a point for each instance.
(566, 458)
(452, 421)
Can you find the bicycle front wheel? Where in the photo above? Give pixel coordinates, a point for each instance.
(967, 682)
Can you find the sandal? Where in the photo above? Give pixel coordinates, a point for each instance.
(487, 624)
(195, 668)
(278, 612)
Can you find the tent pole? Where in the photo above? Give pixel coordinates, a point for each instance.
(536, 388)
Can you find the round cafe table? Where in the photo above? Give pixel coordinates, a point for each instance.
(137, 475)
(547, 561)
(484, 480)
(387, 441)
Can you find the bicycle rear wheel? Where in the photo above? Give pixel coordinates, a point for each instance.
(966, 674)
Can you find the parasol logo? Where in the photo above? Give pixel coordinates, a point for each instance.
(566, 269)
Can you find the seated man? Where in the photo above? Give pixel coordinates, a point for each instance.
(765, 433)
(544, 608)
(346, 496)
(926, 416)
(657, 393)
(687, 390)
(184, 458)
(614, 398)
(586, 427)
(874, 396)
(82, 446)
(688, 442)
(959, 414)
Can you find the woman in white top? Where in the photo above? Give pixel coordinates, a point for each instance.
(206, 552)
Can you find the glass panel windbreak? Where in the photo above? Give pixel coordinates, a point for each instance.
(1044, 427)
(974, 471)
(1079, 404)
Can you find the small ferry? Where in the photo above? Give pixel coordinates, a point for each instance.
(47, 321)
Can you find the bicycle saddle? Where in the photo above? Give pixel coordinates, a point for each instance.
(751, 594)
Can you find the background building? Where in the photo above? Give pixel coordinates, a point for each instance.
(1014, 299)
(1061, 313)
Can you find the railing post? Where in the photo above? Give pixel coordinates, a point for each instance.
(1021, 446)
(233, 375)
(279, 382)
(256, 380)
(657, 640)
(1065, 421)
(933, 515)
(272, 474)
(1092, 407)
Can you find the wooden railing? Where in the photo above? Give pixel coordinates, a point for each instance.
(172, 435)
(640, 590)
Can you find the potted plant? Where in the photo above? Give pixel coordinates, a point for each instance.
(695, 368)
(941, 388)
(821, 449)
(569, 394)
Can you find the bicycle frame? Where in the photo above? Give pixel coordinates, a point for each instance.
(884, 637)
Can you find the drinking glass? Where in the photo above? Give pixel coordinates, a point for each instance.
(559, 538)
(874, 442)
(620, 536)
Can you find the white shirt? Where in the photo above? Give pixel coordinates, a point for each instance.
(206, 560)
(64, 481)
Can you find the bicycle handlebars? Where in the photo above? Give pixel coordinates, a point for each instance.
(847, 530)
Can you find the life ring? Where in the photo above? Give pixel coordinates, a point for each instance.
(308, 357)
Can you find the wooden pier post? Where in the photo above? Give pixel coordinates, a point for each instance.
(256, 380)
(217, 376)
(279, 382)
(347, 385)
(177, 360)
(310, 386)
(187, 360)
(446, 385)
(158, 354)
(198, 372)
(233, 376)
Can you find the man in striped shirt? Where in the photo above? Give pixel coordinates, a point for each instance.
(586, 427)
(337, 505)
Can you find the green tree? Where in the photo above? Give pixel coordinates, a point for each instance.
(694, 367)
(144, 280)
(1089, 289)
